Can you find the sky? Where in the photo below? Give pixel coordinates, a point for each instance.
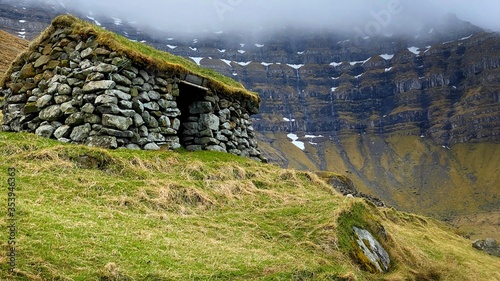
(199, 15)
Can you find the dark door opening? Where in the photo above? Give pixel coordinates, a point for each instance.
(188, 94)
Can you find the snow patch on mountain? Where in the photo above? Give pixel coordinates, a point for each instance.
(295, 66)
(295, 141)
(414, 50)
(197, 59)
(387, 56)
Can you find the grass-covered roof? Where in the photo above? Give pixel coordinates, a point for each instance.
(144, 55)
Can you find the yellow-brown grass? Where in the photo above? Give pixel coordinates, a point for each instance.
(10, 47)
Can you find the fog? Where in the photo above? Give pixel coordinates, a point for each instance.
(213, 15)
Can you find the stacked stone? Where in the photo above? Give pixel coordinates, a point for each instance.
(220, 124)
(84, 93)
(78, 91)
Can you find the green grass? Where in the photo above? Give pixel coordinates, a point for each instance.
(93, 214)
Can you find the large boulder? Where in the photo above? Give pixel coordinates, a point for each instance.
(375, 254)
(488, 245)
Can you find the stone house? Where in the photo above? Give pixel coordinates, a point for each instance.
(81, 84)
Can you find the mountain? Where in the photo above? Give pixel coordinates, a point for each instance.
(410, 118)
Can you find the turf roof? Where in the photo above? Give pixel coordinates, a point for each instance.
(142, 54)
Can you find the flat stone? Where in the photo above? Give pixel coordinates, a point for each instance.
(80, 133)
(138, 121)
(215, 148)
(94, 76)
(75, 119)
(117, 133)
(45, 131)
(133, 146)
(167, 104)
(92, 118)
(108, 109)
(51, 113)
(210, 121)
(151, 146)
(138, 106)
(106, 99)
(119, 122)
(153, 95)
(156, 137)
(123, 88)
(52, 89)
(17, 98)
(146, 87)
(206, 141)
(152, 106)
(194, 148)
(125, 104)
(150, 121)
(94, 86)
(88, 108)
(30, 108)
(86, 53)
(164, 121)
(102, 141)
(67, 107)
(144, 75)
(43, 101)
(106, 68)
(121, 79)
(144, 97)
(138, 81)
(62, 132)
(41, 61)
(143, 131)
(61, 99)
(119, 94)
(102, 51)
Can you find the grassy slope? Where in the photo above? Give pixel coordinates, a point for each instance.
(417, 176)
(10, 47)
(92, 214)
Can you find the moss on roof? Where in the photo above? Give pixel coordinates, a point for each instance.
(144, 55)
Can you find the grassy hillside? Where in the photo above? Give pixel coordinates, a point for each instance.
(458, 184)
(92, 214)
(10, 47)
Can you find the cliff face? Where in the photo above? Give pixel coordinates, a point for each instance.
(332, 101)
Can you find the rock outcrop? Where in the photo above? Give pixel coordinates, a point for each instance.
(75, 88)
(488, 245)
(375, 257)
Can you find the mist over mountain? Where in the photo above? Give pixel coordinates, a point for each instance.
(259, 16)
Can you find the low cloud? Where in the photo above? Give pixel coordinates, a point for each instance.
(261, 15)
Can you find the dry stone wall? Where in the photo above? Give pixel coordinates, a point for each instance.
(74, 90)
